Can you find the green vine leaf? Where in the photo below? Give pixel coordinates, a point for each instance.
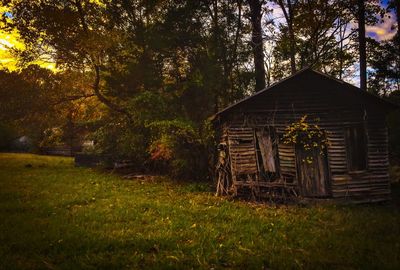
(308, 136)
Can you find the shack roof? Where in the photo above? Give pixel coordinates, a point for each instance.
(374, 98)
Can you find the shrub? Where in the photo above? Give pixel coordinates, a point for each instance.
(120, 141)
(7, 134)
(177, 147)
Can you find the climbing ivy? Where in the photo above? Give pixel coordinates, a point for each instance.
(307, 136)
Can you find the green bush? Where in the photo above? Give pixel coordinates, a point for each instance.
(7, 135)
(120, 141)
(177, 145)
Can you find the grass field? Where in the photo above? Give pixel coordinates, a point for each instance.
(55, 216)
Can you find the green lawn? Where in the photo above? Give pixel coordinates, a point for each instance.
(55, 216)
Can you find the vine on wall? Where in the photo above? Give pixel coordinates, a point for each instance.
(308, 136)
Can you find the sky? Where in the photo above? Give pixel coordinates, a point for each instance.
(385, 30)
(9, 41)
(382, 31)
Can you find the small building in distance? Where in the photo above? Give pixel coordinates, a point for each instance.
(310, 136)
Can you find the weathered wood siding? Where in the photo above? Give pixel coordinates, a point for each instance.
(242, 151)
(336, 108)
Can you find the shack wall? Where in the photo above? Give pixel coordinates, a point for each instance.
(333, 110)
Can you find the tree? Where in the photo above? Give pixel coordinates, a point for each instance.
(256, 13)
(74, 33)
(362, 45)
(384, 76)
(35, 99)
(315, 34)
(288, 11)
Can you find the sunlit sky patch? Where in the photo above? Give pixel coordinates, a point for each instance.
(7, 42)
(10, 41)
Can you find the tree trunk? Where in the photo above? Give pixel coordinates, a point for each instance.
(362, 45)
(398, 10)
(257, 42)
(96, 68)
(341, 33)
(292, 43)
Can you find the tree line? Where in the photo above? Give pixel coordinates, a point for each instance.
(141, 77)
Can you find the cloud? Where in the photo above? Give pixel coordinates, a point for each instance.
(385, 30)
(277, 14)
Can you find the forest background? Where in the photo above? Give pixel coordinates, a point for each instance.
(142, 77)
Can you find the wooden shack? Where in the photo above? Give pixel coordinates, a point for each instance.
(349, 162)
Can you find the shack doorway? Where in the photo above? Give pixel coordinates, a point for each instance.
(312, 171)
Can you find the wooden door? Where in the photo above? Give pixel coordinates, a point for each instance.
(313, 176)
